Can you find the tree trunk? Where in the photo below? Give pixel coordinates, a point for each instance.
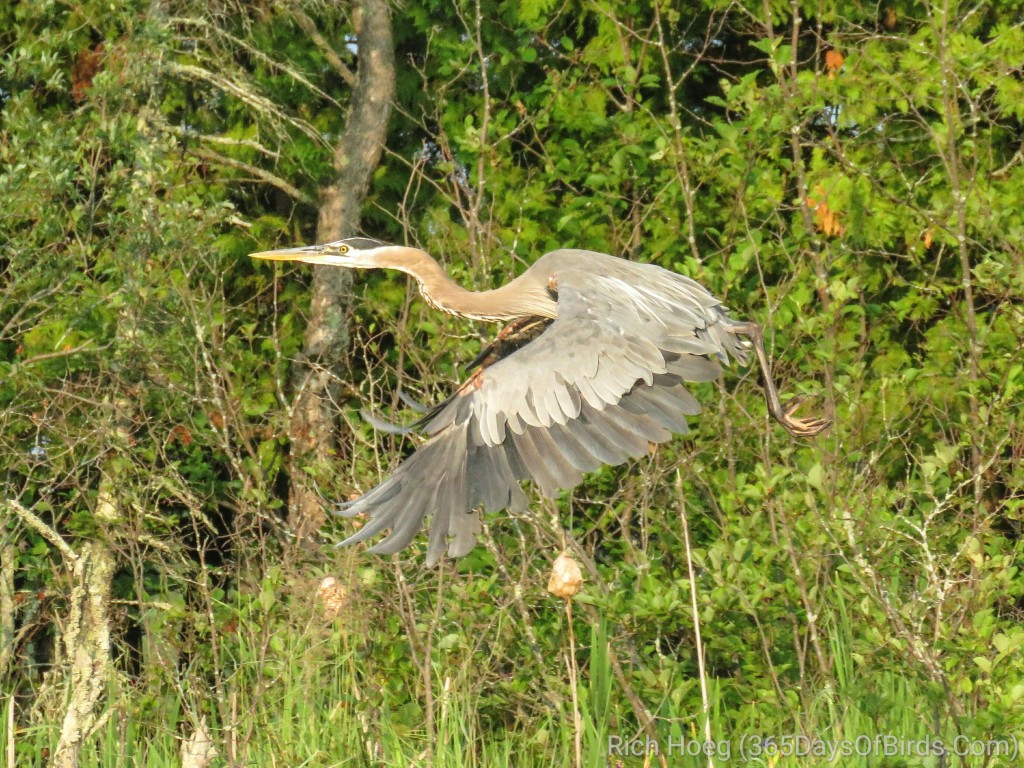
(86, 634)
(316, 383)
(87, 645)
(7, 559)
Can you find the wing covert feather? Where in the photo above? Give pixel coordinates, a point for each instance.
(601, 383)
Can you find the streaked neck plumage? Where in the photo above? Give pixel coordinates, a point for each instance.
(524, 296)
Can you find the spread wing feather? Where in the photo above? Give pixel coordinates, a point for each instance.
(601, 383)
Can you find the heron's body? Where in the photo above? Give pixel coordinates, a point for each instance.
(601, 380)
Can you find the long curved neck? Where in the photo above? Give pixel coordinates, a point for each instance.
(522, 297)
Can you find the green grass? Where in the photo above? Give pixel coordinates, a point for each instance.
(300, 702)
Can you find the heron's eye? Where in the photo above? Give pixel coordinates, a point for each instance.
(344, 249)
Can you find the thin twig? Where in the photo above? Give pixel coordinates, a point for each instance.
(705, 703)
(255, 53)
(211, 138)
(245, 94)
(574, 678)
(259, 173)
(10, 730)
(62, 353)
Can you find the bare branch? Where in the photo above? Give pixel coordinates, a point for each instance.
(47, 532)
(309, 27)
(210, 138)
(259, 173)
(256, 101)
(62, 353)
(256, 53)
(34, 300)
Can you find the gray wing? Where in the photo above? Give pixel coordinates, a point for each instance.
(603, 381)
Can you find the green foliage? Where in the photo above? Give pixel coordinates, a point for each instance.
(595, 699)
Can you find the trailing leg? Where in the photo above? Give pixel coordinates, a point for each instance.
(795, 426)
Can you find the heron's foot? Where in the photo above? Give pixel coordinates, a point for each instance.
(797, 427)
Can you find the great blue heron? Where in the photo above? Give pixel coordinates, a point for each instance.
(588, 371)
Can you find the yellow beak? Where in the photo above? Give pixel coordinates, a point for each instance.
(302, 253)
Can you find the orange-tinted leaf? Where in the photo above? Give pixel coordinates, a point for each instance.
(181, 434)
(86, 65)
(825, 219)
(834, 62)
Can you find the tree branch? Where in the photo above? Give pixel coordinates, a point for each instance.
(258, 102)
(259, 173)
(61, 353)
(47, 532)
(309, 27)
(214, 139)
(255, 53)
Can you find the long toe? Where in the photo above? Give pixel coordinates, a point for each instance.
(809, 427)
(793, 404)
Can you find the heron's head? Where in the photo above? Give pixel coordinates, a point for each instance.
(351, 252)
